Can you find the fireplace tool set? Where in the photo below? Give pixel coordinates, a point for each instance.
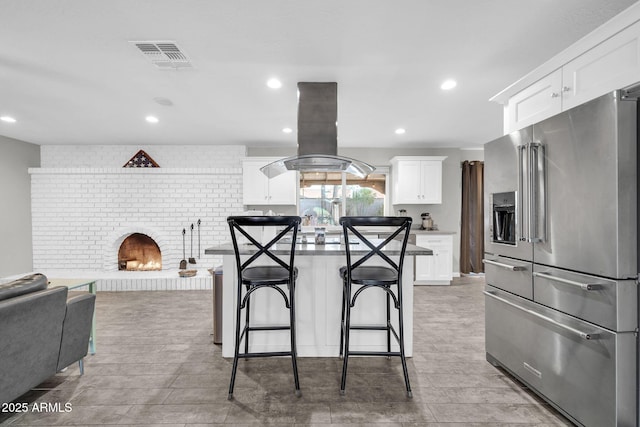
(183, 263)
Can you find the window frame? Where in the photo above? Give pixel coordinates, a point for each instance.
(382, 170)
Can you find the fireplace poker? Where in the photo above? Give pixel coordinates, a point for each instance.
(198, 239)
(183, 263)
(192, 260)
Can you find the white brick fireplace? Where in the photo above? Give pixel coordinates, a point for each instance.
(84, 204)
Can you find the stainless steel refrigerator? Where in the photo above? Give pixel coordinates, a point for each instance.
(561, 259)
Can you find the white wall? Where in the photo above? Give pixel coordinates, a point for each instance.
(15, 216)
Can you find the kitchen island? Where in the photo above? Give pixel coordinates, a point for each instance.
(318, 301)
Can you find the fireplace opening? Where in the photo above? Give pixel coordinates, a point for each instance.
(139, 252)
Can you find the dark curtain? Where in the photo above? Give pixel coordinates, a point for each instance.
(472, 224)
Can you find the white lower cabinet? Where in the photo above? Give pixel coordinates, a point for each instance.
(436, 269)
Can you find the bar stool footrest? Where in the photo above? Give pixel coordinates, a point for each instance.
(371, 327)
(264, 354)
(269, 328)
(374, 353)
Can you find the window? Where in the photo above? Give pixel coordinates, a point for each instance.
(326, 196)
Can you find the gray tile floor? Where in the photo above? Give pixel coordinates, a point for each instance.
(156, 364)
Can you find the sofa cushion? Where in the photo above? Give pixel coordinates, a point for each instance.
(24, 285)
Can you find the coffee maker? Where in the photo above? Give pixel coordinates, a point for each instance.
(427, 222)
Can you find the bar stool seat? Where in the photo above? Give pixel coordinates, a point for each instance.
(254, 277)
(267, 275)
(370, 275)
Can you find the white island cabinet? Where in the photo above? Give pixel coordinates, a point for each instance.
(318, 302)
(416, 180)
(436, 269)
(260, 190)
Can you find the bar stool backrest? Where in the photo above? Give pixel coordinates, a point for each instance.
(350, 225)
(288, 224)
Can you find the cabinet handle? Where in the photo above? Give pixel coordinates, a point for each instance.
(566, 88)
(554, 94)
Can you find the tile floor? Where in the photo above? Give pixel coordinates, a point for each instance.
(156, 365)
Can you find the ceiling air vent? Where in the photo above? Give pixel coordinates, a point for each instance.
(164, 55)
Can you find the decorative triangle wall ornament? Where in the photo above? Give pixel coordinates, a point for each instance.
(141, 160)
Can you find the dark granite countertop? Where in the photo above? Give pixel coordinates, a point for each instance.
(392, 248)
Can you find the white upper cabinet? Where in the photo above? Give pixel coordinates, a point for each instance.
(607, 64)
(537, 102)
(611, 65)
(260, 190)
(416, 180)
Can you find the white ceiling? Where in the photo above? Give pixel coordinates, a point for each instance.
(69, 75)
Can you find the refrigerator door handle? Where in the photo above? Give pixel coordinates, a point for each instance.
(538, 193)
(522, 213)
(581, 334)
(583, 286)
(503, 265)
(532, 195)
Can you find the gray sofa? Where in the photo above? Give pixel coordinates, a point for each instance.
(41, 333)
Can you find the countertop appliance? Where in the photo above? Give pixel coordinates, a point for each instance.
(427, 221)
(561, 259)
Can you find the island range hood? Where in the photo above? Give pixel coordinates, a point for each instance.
(317, 135)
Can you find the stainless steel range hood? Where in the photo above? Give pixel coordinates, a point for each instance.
(318, 135)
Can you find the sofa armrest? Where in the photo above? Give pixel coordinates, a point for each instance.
(76, 329)
(30, 334)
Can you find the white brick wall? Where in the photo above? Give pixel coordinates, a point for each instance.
(81, 215)
(84, 203)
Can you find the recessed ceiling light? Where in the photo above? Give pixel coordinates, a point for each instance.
(400, 131)
(274, 83)
(287, 130)
(152, 119)
(448, 84)
(8, 119)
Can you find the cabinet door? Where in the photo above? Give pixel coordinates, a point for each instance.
(425, 268)
(282, 189)
(438, 268)
(611, 65)
(431, 179)
(424, 265)
(408, 182)
(537, 102)
(444, 261)
(255, 184)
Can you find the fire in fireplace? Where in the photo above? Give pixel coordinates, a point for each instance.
(139, 252)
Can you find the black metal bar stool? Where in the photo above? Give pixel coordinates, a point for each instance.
(264, 276)
(373, 276)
